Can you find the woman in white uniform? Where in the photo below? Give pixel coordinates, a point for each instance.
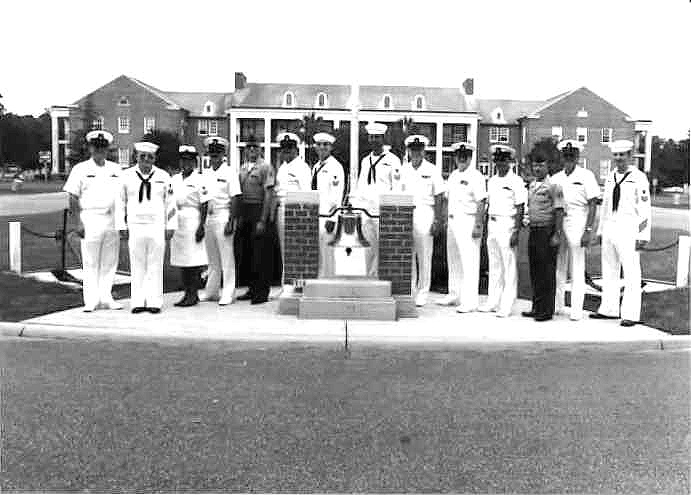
(186, 247)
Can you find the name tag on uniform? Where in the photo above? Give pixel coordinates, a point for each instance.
(507, 188)
(426, 176)
(90, 176)
(159, 182)
(221, 180)
(577, 183)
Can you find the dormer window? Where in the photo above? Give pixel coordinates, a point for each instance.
(582, 113)
(322, 100)
(124, 101)
(498, 115)
(386, 102)
(419, 103)
(209, 108)
(288, 99)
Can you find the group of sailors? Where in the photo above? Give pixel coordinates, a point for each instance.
(199, 214)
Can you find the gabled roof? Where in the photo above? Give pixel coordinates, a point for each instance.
(402, 98)
(194, 103)
(551, 101)
(512, 109)
(157, 92)
(263, 95)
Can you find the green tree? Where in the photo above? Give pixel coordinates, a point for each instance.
(23, 137)
(670, 161)
(79, 149)
(168, 143)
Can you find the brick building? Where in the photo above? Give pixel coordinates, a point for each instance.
(128, 108)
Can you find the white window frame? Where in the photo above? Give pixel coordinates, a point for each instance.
(209, 108)
(213, 127)
(292, 99)
(203, 127)
(583, 162)
(150, 128)
(98, 123)
(524, 135)
(326, 100)
(557, 130)
(582, 131)
(126, 100)
(422, 106)
(205, 162)
(124, 157)
(582, 113)
(500, 131)
(123, 124)
(383, 102)
(609, 133)
(605, 166)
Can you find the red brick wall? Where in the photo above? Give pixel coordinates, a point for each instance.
(192, 132)
(601, 114)
(483, 143)
(301, 258)
(396, 243)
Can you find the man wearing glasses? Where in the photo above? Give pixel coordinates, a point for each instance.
(625, 222)
(147, 217)
(328, 179)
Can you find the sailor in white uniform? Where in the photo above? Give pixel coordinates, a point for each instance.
(94, 188)
(223, 185)
(424, 181)
(329, 179)
(147, 217)
(187, 249)
(467, 192)
(625, 224)
(507, 196)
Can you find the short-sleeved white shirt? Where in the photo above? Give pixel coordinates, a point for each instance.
(466, 190)
(330, 183)
(295, 175)
(97, 187)
(505, 193)
(578, 187)
(424, 183)
(223, 183)
(160, 210)
(190, 191)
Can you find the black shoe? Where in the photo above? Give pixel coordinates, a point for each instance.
(260, 300)
(542, 317)
(628, 323)
(154, 310)
(138, 309)
(184, 301)
(247, 296)
(191, 301)
(528, 314)
(600, 316)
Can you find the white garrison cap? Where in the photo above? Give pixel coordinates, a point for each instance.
(324, 137)
(570, 145)
(621, 146)
(216, 141)
(145, 147)
(502, 148)
(463, 146)
(376, 129)
(417, 140)
(104, 137)
(187, 149)
(287, 139)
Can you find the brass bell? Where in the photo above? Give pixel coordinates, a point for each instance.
(349, 231)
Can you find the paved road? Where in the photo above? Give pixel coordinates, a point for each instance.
(671, 218)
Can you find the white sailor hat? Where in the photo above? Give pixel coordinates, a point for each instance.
(99, 138)
(324, 137)
(288, 139)
(621, 146)
(501, 151)
(216, 144)
(376, 129)
(463, 146)
(186, 149)
(146, 147)
(416, 141)
(570, 146)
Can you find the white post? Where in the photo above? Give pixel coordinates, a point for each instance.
(16, 247)
(354, 135)
(234, 152)
(440, 143)
(267, 141)
(683, 256)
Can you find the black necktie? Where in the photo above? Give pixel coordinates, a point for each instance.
(372, 173)
(616, 194)
(145, 186)
(316, 173)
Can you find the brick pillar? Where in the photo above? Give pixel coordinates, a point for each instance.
(301, 236)
(396, 249)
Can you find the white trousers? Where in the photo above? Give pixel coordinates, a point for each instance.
(503, 280)
(463, 260)
(326, 253)
(619, 251)
(370, 230)
(219, 249)
(571, 256)
(147, 246)
(423, 244)
(100, 249)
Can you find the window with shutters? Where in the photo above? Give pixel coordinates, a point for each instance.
(606, 135)
(203, 127)
(98, 123)
(213, 128)
(582, 134)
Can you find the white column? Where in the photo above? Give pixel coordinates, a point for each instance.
(354, 134)
(648, 152)
(440, 144)
(234, 156)
(472, 138)
(683, 259)
(15, 247)
(54, 145)
(267, 140)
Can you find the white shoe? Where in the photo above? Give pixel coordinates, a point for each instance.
(576, 317)
(90, 308)
(204, 297)
(502, 315)
(112, 305)
(420, 302)
(465, 310)
(448, 301)
(225, 301)
(486, 309)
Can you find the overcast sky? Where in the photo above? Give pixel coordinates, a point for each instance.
(632, 53)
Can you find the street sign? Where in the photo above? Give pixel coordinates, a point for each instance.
(44, 156)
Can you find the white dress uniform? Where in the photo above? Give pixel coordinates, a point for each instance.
(620, 230)
(505, 194)
(98, 190)
(466, 189)
(424, 183)
(376, 177)
(329, 179)
(147, 217)
(579, 187)
(190, 193)
(223, 184)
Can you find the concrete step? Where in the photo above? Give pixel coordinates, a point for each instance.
(342, 308)
(363, 288)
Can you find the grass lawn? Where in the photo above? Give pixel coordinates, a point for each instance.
(114, 416)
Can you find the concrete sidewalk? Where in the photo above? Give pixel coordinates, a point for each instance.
(243, 322)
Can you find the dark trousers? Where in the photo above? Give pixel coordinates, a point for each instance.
(191, 278)
(255, 250)
(543, 261)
